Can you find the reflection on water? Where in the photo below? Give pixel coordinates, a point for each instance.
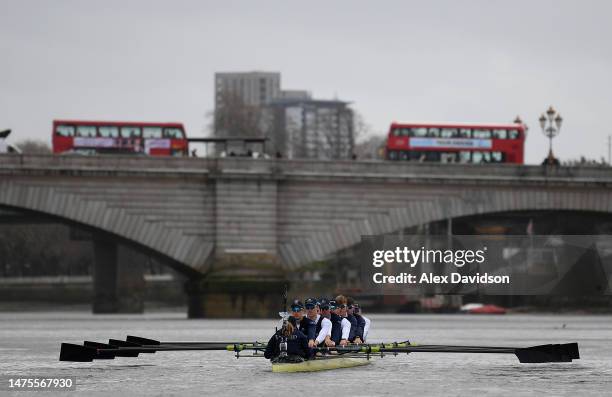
(29, 345)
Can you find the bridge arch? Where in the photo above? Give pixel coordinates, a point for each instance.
(133, 213)
(363, 209)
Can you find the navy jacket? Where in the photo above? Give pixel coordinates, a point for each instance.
(353, 331)
(360, 326)
(336, 332)
(297, 345)
(306, 325)
(308, 328)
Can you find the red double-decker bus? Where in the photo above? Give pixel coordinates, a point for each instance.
(113, 137)
(456, 143)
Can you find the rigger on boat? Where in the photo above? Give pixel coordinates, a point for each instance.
(320, 339)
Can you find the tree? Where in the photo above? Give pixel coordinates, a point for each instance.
(583, 161)
(369, 144)
(233, 117)
(32, 146)
(361, 129)
(42, 250)
(336, 129)
(371, 148)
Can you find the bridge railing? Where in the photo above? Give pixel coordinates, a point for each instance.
(304, 168)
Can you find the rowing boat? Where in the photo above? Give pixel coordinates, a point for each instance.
(327, 357)
(321, 364)
(334, 357)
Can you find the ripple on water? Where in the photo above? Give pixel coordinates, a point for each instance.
(30, 345)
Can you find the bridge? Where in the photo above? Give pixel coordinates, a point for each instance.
(235, 224)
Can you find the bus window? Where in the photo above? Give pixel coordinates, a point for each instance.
(481, 157)
(481, 134)
(433, 132)
(464, 156)
(448, 157)
(404, 156)
(514, 134)
(152, 132)
(108, 132)
(465, 133)
(432, 156)
(130, 132)
(173, 133)
(392, 155)
(448, 133)
(64, 130)
(500, 134)
(497, 157)
(86, 131)
(416, 155)
(419, 132)
(397, 132)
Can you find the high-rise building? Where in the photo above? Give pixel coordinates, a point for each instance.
(239, 100)
(296, 125)
(253, 88)
(310, 128)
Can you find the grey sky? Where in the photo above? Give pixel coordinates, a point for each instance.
(396, 60)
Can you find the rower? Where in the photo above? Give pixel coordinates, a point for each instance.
(302, 322)
(362, 321)
(297, 312)
(356, 309)
(322, 324)
(341, 327)
(288, 344)
(356, 334)
(325, 306)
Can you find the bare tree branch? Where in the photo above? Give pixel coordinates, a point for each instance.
(233, 117)
(31, 146)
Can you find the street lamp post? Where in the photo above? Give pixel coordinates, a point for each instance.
(550, 122)
(518, 120)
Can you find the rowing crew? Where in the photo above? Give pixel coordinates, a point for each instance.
(326, 323)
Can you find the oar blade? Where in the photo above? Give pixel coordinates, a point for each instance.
(76, 353)
(115, 343)
(544, 354)
(100, 355)
(572, 350)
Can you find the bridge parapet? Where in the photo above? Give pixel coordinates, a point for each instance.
(281, 169)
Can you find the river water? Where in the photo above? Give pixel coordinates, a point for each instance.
(29, 346)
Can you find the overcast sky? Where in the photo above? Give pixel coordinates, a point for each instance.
(485, 61)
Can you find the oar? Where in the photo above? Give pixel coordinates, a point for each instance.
(534, 354)
(568, 349)
(152, 342)
(72, 352)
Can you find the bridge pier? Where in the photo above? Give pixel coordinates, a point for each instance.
(240, 287)
(118, 279)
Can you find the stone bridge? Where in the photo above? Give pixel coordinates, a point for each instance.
(252, 220)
